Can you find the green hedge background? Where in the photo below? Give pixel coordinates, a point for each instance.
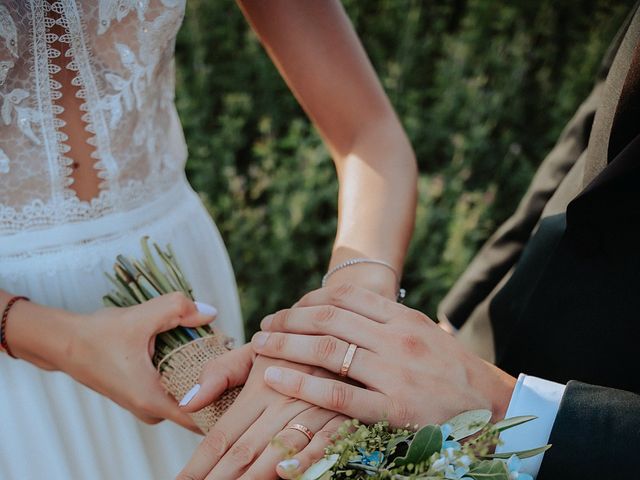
(483, 88)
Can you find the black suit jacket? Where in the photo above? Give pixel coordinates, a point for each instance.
(571, 311)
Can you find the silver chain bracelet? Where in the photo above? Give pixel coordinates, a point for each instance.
(401, 294)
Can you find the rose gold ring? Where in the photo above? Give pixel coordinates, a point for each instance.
(302, 429)
(348, 358)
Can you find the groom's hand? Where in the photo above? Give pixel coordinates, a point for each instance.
(252, 439)
(414, 372)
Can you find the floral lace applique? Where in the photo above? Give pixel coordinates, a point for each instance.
(8, 31)
(25, 116)
(128, 90)
(5, 67)
(119, 9)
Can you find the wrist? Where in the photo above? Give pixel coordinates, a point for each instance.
(41, 335)
(495, 385)
(376, 278)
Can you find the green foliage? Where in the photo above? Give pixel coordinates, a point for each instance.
(374, 452)
(483, 88)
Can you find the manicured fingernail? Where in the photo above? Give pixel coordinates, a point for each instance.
(266, 322)
(273, 375)
(189, 395)
(260, 339)
(206, 309)
(289, 464)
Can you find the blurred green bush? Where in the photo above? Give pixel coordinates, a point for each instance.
(483, 88)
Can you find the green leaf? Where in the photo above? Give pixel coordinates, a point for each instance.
(426, 442)
(395, 442)
(521, 454)
(508, 423)
(469, 423)
(321, 467)
(489, 470)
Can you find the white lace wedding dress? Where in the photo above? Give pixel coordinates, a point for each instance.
(108, 66)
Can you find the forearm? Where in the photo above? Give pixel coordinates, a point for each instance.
(378, 185)
(37, 334)
(319, 55)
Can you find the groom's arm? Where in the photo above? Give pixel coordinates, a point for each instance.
(595, 434)
(592, 429)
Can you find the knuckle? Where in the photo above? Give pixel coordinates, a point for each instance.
(215, 443)
(326, 435)
(143, 406)
(179, 302)
(242, 454)
(298, 385)
(324, 348)
(324, 315)
(149, 420)
(285, 442)
(281, 319)
(277, 342)
(399, 413)
(342, 292)
(186, 476)
(339, 396)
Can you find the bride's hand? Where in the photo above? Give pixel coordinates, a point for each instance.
(111, 352)
(414, 371)
(251, 439)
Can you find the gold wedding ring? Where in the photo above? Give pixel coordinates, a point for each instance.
(302, 429)
(348, 358)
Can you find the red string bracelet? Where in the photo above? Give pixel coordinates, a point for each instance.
(3, 324)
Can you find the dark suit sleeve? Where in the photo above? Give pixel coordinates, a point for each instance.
(502, 250)
(595, 436)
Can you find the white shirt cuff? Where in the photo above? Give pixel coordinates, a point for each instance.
(531, 396)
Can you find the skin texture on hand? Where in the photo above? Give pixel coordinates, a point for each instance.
(411, 371)
(252, 438)
(109, 351)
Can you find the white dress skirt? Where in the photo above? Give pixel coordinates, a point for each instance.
(52, 427)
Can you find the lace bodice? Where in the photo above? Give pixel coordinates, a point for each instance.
(106, 65)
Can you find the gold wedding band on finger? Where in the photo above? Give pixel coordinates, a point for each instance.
(302, 429)
(348, 358)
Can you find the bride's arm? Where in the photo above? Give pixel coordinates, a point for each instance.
(109, 350)
(318, 53)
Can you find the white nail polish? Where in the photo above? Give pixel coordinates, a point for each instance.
(206, 309)
(289, 464)
(189, 395)
(273, 375)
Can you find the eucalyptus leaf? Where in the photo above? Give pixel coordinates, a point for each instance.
(469, 423)
(426, 442)
(521, 454)
(319, 468)
(489, 470)
(508, 423)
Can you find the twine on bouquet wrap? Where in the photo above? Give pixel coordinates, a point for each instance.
(180, 353)
(180, 371)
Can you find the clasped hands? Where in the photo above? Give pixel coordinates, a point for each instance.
(405, 370)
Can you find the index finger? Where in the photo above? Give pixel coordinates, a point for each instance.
(354, 299)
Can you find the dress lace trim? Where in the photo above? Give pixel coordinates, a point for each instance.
(71, 39)
(39, 214)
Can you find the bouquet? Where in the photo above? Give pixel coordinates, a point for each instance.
(179, 353)
(433, 452)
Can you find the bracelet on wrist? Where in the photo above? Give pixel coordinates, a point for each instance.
(3, 324)
(401, 293)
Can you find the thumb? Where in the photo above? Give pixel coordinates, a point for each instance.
(219, 375)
